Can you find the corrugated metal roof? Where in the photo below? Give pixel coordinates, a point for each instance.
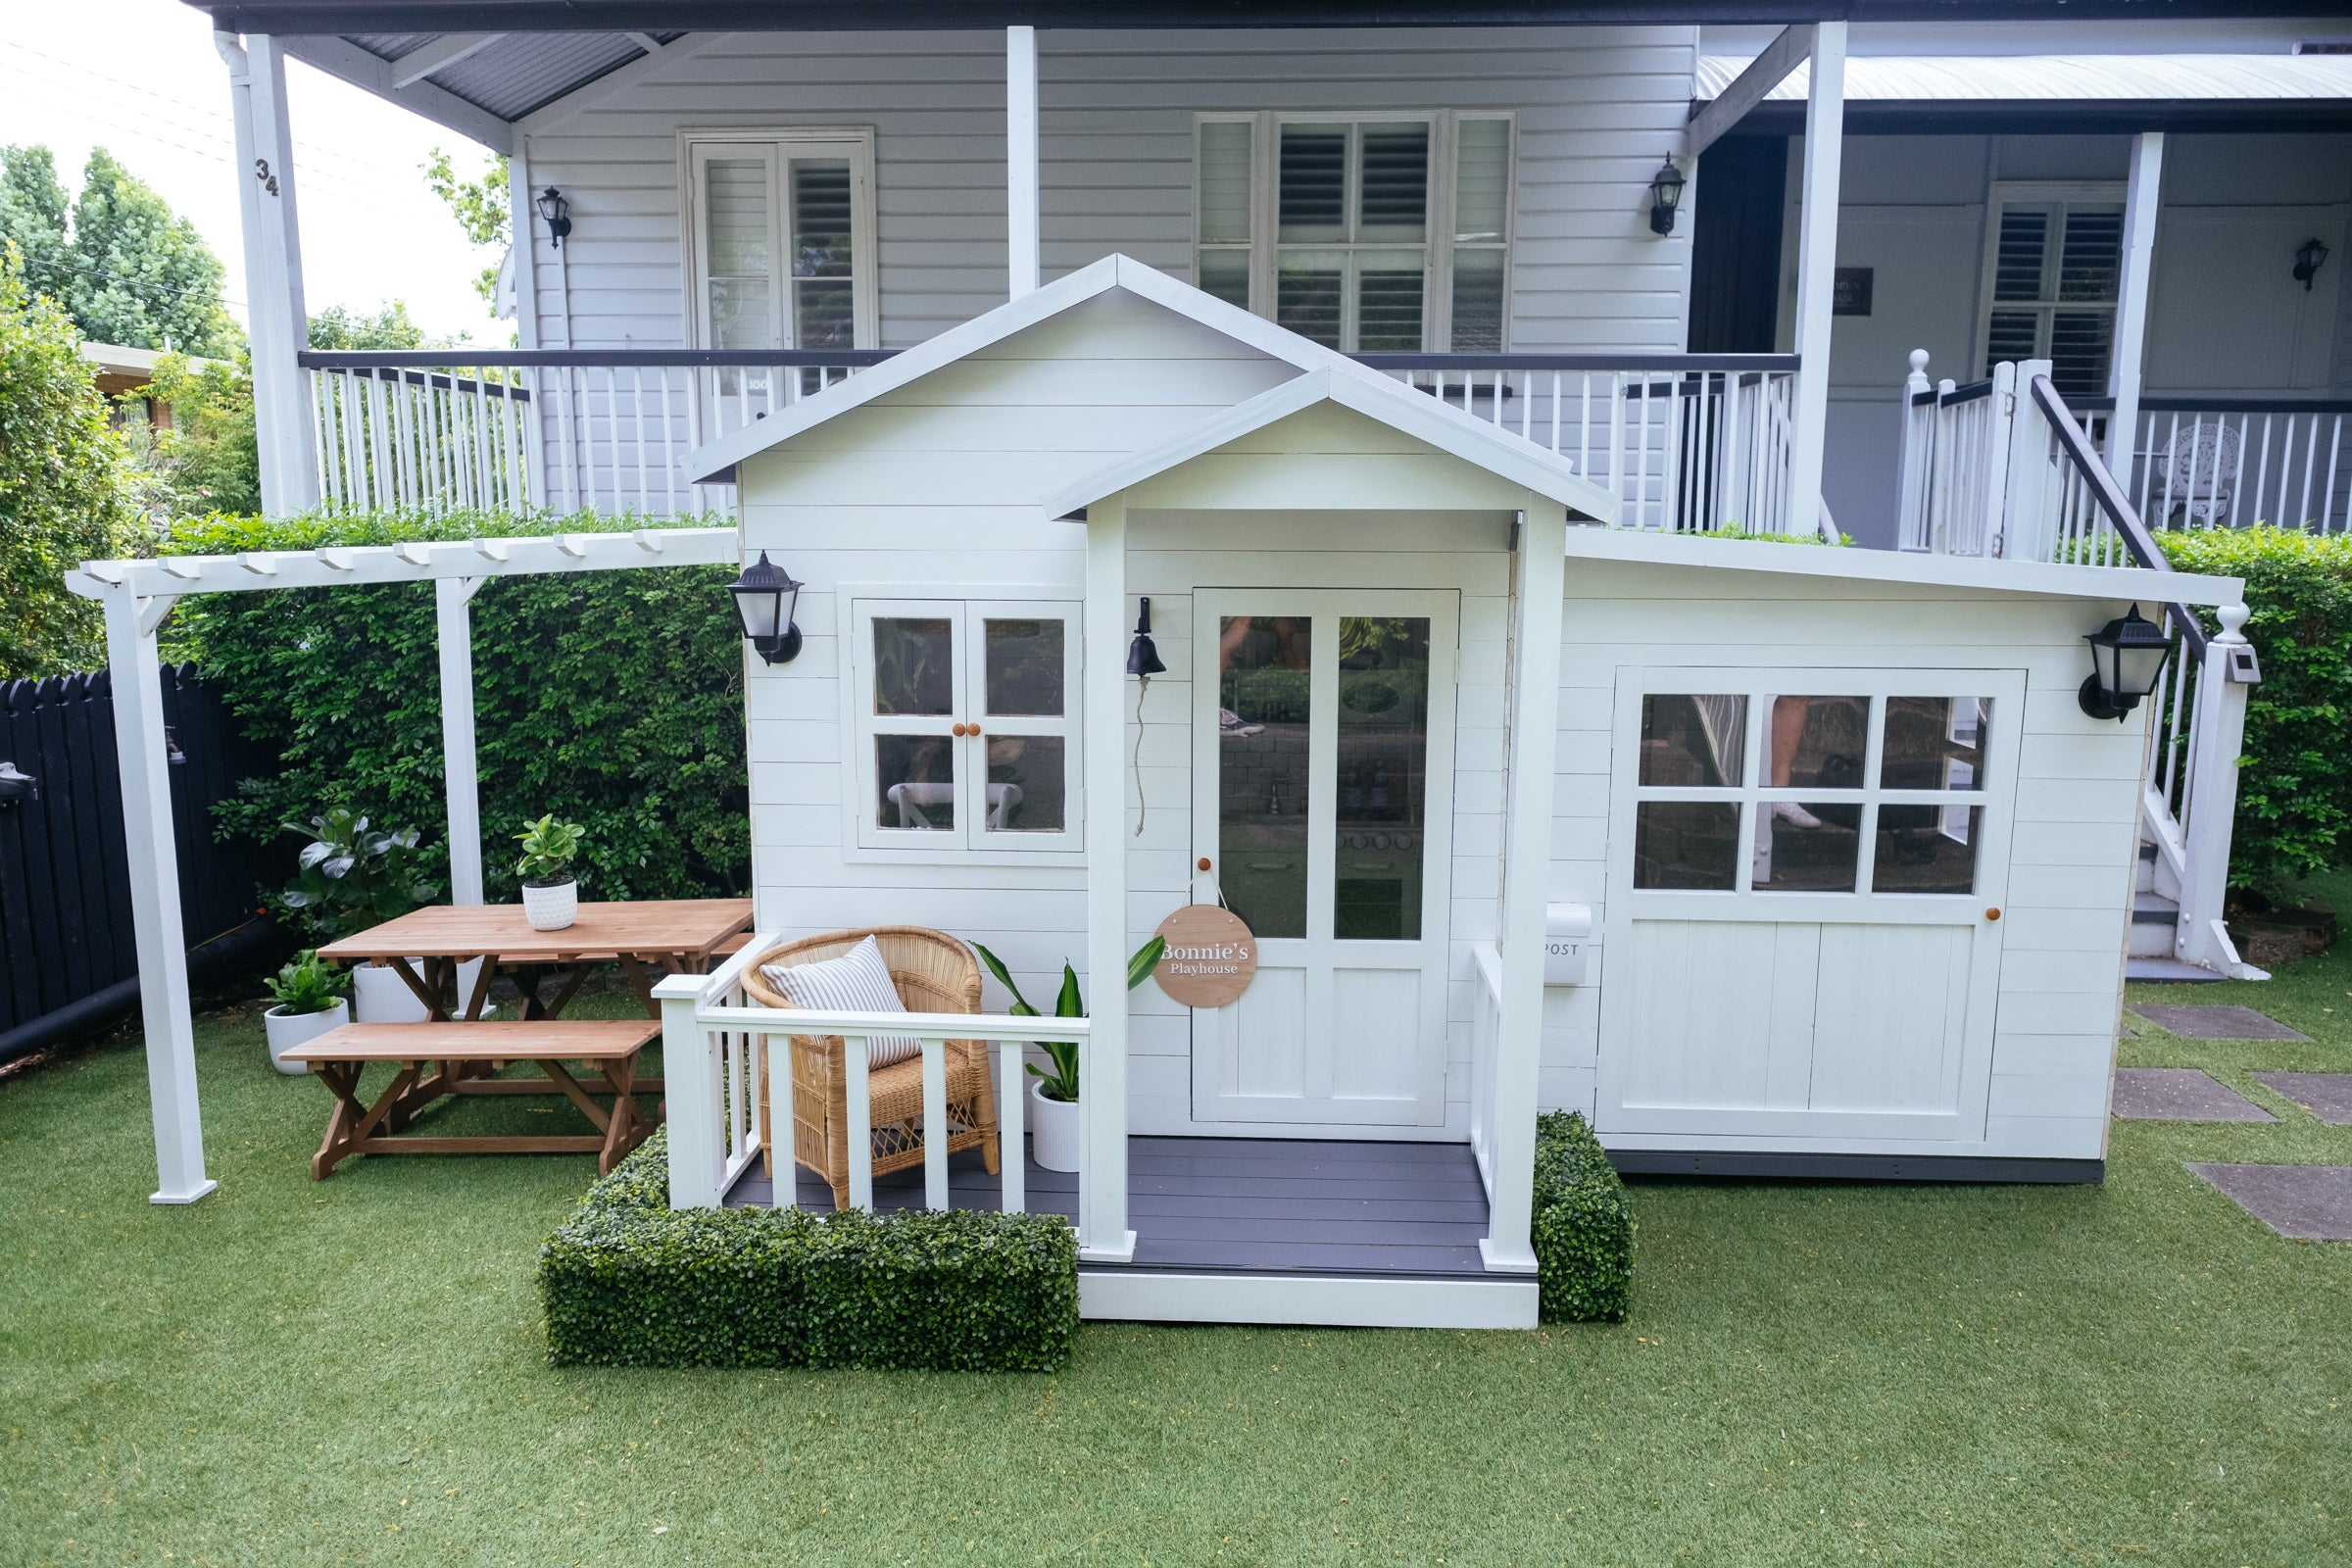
(523, 70)
(2061, 78)
(392, 46)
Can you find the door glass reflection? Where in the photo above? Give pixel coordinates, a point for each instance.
(1026, 786)
(1694, 741)
(1815, 742)
(1383, 783)
(1934, 743)
(1264, 666)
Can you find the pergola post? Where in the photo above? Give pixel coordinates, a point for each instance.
(454, 635)
(1020, 159)
(1816, 272)
(1102, 1231)
(136, 673)
(279, 325)
(2141, 199)
(1542, 572)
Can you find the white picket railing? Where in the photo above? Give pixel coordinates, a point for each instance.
(2228, 463)
(1485, 1038)
(716, 1039)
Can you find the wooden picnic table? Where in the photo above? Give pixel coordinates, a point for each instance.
(438, 1059)
(648, 940)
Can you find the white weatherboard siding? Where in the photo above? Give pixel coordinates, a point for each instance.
(2068, 902)
(1597, 109)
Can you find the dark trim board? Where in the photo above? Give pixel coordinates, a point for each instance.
(1758, 1165)
(2040, 116)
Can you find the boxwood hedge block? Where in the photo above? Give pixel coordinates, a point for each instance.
(1583, 1225)
(627, 1281)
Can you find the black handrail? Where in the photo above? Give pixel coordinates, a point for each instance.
(1388, 361)
(1968, 393)
(2104, 404)
(2113, 502)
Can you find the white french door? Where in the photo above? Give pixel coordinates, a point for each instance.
(1806, 870)
(1323, 801)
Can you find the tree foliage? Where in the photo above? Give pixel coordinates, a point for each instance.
(339, 327)
(205, 458)
(480, 207)
(32, 217)
(61, 494)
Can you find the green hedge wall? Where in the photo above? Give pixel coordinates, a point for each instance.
(2294, 795)
(613, 698)
(1583, 1225)
(629, 1282)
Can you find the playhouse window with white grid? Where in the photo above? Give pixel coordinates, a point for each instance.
(1803, 789)
(1366, 234)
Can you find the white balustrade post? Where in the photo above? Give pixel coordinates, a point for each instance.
(1021, 172)
(691, 1071)
(1816, 267)
(1012, 1106)
(135, 675)
(935, 1123)
(1918, 457)
(1102, 1231)
(461, 787)
(2022, 488)
(2217, 738)
(1507, 1246)
(858, 1112)
(2131, 300)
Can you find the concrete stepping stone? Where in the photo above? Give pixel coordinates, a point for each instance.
(2325, 1095)
(2180, 1094)
(2302, 1203)
(2213, 1023)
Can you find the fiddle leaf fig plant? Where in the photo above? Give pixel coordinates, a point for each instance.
(1061, 1083)
(549, 847)
(353, 875)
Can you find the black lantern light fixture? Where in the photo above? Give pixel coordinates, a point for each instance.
(2308, 257)
(1665, 195)
(764, 596)
(1143, 658)
(558, 213)
(2127, 658)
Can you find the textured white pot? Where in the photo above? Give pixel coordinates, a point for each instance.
(1053, 1130)
(379, 995)
(286, 1030)
(551, 908)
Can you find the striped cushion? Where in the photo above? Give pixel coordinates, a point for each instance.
(857, 981)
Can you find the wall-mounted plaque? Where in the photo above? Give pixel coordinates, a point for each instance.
(1850, 291)
(1210, 959)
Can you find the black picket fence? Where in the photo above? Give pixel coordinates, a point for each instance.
(67, 955)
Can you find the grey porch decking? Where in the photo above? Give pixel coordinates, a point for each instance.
(1246, 1205)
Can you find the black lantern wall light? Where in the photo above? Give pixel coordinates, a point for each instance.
(1665, 195)
(558, 213)
(764, 597)
(2127, 660)
(2308, 257)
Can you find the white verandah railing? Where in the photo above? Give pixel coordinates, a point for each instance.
(716, 1041)
(2228, 463)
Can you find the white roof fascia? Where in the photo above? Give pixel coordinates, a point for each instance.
(1376, 397)
(1859, 565)
(706, 464)
(341, 566)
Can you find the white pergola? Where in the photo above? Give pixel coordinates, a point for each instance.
(138, 595)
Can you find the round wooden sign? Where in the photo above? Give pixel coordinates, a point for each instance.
(1211, 956)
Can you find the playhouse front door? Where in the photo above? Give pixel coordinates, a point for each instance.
(1323, 805)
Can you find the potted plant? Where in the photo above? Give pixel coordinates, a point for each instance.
(353, 875)
(309, 1003)
(1054, 1098)
(551, 894)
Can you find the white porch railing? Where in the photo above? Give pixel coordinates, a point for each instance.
(2209, 462)
(1485, 1041)
(716, 1041)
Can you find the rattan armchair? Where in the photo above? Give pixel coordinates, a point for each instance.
(933, 973)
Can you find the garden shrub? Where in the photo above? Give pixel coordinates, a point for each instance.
(2294, 797)
(627, 1281)
(1583, 1225)
(612, 698)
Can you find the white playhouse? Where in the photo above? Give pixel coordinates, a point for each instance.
(1766, 857)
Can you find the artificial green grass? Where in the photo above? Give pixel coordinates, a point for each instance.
(354, 1371)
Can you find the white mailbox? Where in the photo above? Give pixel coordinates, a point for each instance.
(1567, 944)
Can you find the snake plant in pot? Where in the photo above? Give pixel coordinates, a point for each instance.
(551, 894)
(1054, 1096)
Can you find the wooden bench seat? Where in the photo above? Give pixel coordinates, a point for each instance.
(437, 1059)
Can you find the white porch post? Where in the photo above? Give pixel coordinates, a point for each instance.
(1020, 163)
(136, 675)
(1102, 1231)
(277, 325)
(1816, 263)
(1527, 876)
(453, 627)
(2141, 199)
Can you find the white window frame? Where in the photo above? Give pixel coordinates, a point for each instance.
(1437, 237)
(779, 146)
(969, 843)
(2065, 195)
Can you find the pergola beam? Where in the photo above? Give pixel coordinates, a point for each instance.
(337, 566)
(1791, 49)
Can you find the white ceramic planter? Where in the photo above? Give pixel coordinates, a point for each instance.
(286, 1030)
(379, 995)
(551, 908)
(1052, 1131)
